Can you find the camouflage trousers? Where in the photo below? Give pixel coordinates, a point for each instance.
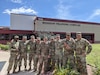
(23, 56)
(69, 61)
(81, 65)
(31, 58)
(58, 60)
(43, 64)
(36, 60)
(51, 63)
(13, 61)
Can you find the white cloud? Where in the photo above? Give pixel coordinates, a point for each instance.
(16, 1)
(63, 11)
(94, 14)
(20, 10)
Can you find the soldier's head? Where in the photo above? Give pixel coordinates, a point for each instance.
(16, 37)
(52, 38)
(32, 37)
(78, 35)
(57, 36)
(68, 35)
(24, 38)
(38, 39)
(45, 39)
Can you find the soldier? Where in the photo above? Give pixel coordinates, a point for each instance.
(58, 51)
(38, 53)
(44, 56)
(13, 54)
(81, 52)
(69, 47)
(31, 43)
(52, 53)
(23, 52)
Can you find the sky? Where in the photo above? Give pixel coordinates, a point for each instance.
(81, 10)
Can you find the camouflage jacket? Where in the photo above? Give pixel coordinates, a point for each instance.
(80, 46)
(71, 44)
(38, 48)
(44, 49)
(52, 48)
(22, 46)
(32, 46)
(58, 47)
(14, 45)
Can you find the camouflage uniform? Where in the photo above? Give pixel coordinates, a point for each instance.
(58, 52)
(44, 57)
(81, 55)
(13, 54)
(32, 45)
(23, 52)
(68, 57)
(52, 53)
(37, 54)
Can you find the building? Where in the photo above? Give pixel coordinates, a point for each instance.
(23, 24)
(6, 34)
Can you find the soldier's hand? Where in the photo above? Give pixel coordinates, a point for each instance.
(65, 44)
(16, 49)
(39, 56)
(48, 56)
(84, 54)
(68, 47)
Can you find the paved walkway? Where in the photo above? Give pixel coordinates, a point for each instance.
(4, 57)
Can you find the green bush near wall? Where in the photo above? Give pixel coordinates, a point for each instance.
(4, 47)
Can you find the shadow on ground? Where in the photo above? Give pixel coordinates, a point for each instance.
(29, 73)
(2, 63)
(24, 73)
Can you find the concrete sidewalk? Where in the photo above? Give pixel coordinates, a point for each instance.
(4, 58)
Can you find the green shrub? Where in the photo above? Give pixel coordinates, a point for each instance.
(65, 71)
(97, 69)
(4, 47)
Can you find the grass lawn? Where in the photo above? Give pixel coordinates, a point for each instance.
(94, 57)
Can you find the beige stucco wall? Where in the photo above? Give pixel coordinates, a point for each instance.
(53, 26)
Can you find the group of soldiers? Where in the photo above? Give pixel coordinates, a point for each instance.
(48, 54)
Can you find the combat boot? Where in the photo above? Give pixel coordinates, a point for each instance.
(29, 68)
(34, 70)
(25, 68)
(14, 71)
(19, 69)
(8, 73)
(38, 73)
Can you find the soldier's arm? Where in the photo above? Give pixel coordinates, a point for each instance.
(11, 44)
(40, 49)
(48, 51)
(73, 44)
(27, 45)
(89, 46)
(19, 46)
(62, 44)
(49, 48)
(67, 47)
(28, 42)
